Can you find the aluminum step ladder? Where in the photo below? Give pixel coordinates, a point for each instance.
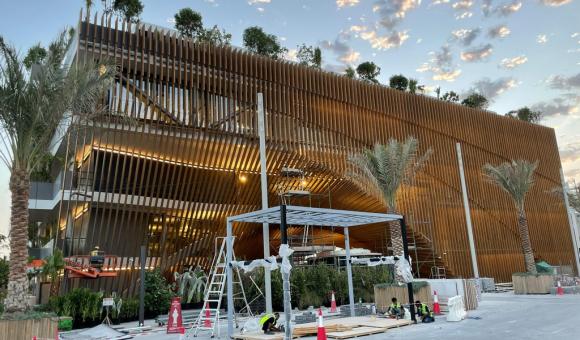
(208, 319)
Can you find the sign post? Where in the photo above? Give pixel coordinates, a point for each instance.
(175, 321)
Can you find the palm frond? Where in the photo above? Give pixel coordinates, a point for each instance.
(382, 171)
(515, 177)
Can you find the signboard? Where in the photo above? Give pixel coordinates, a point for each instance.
(107, 302)
(175, 322)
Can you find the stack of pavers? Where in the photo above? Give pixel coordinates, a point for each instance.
(359, 310)
(306, 317)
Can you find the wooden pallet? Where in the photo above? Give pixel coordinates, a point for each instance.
(356, 332)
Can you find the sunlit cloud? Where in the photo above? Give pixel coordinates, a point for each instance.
(504, 10)
(500, 31)
(477, 54)
(291, 54)
(556, 3)
(511, 63)
(493, 88)
(392, 12)
(465, 36)
(542, 38)
(342, 50)
(562, 106)
(441, 66)
(384, 42)
(346, 3)
(561, 82)
(253, 2)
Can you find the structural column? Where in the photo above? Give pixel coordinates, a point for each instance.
(264, 188)
(229, 279)
(467, 212)
(571, 221)
(286, 278)
(349, 271)
(406, 255)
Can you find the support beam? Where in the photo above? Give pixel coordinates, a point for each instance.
(229, 279)
(474, 266)
(142, 261)
(349, 272)
(571, 222)
(286, 279)
(406, 255)
(264, 188)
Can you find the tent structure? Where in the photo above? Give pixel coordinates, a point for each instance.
(284, 215)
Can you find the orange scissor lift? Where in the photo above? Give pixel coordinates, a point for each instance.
(91, 266)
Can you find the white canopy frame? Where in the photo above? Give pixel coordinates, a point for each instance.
(298, 215)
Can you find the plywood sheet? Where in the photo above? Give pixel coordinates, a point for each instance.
(355, 332)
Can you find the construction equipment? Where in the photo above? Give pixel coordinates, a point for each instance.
(93, 266)
(208, 319)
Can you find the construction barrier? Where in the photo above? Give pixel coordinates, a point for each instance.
(456, 309)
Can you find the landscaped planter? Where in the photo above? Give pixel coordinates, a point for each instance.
(44, 328)
(525, 283)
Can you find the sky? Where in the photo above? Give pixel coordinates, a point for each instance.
(516, 52)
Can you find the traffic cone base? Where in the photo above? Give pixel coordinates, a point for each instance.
(436, 307)
(207, 321)
(559, 290)
(321, 334)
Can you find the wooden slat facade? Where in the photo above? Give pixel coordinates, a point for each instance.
(169, 177)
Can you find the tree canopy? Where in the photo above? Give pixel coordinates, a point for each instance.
(476, 101)
(129, 9)
(368, 71)
(399, 82)
(188, 22)
(526, 114)
(450, 96)
(262, 43)
(309, 56)
(350, 72)
(35, 55)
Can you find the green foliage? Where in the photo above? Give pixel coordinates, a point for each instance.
(65, 324)
(129, 310)
(128, 9)
(311, 286)
(258, 41)
(28, 315)
(188, 22)
(413, 85)
(191, 284)
(350, 72)
(81, 304)
(526, 114)
(417, 285)
(215, 36)
(54, 264)
(158, 293)
(4, 269)
(450, 96)
(368, 71)
(515, 177)
(309, 56)
(36, 55)
(476, 101)
(399, 82)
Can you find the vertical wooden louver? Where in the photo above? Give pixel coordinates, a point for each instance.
(169, 176)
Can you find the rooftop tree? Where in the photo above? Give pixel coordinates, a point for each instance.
(399, 82)
(188, 22)
(128, 9)
(516, 178)
(32, 108)
(450, 96)
(262, 43)
(309, 56)
(368, 71)
(526, 114)
(413, 86)
(349, 72)
(476, 101)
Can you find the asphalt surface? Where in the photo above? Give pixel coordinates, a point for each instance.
(499, 316)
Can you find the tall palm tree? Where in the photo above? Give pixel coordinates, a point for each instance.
(383, 170)
(54, 264)
(33, 108)
(516, 178)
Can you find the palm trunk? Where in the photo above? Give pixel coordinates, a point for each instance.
(526, 243)
(16, 297)
(397, 243)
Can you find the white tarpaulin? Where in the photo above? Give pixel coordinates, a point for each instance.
(269, 262)
(402, 266)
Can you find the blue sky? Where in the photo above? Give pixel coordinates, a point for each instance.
(518, 52)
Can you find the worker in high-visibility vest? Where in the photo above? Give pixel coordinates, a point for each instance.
(424, 312)
(396, 310)
(268, 323)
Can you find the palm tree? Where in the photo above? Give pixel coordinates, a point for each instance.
(54, 264)
(383, 170)
(33, 108)
(516, 178)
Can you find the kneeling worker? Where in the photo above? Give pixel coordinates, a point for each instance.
(268, 323)
(423, 312)
(396, 310)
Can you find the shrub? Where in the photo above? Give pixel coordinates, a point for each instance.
(81, 304)
(158, 294)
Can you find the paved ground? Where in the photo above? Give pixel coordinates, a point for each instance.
(500, 316)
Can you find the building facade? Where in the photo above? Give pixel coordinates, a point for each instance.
(177, 153)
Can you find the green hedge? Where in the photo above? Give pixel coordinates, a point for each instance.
(311, 286)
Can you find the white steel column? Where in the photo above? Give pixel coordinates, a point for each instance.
(264, 187)
(349, 272)
(467, 212)
(570, 221)
(229, 278)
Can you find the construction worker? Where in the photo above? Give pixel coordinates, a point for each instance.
(424, 312)
(396, 310)
(268, 323)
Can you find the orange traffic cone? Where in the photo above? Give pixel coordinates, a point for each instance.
(436, 307)
(207, 321)
(559, 290)
(332, 303)
(321, 335)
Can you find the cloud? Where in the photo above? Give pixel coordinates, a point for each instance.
(465, 36)
(503, 10)
(392, 12)
(291, 54)
(342, 50)
(463, 9)
(500, 31)
(253, 2)
(570, 153)
(260, 9)
(336, 68)
(493, 88)
(563, 106)
(560, 82)
(477, 54)
(511, 63)
(441, 66)
(542, 38)
(170, 20)
(345, 3)
(556, 3)
(379, 42)
(439, 2)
